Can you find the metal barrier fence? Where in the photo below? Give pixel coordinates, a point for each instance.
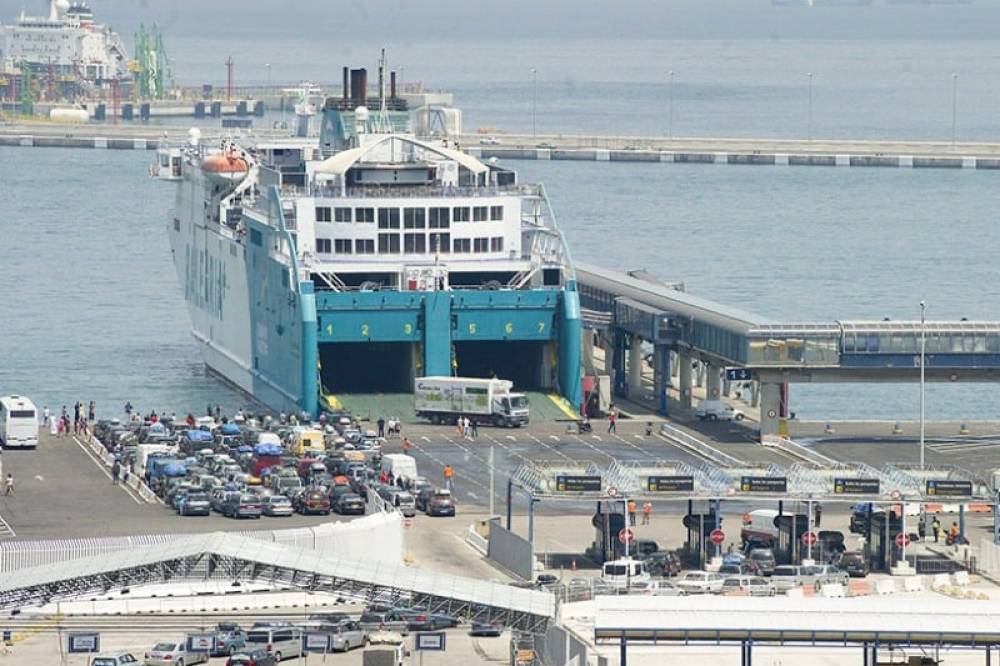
(351, 540)
(987, 556)
(510, 552)
(558, 647)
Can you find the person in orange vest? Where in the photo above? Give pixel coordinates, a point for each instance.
(647, 511)
(631, 512)
(406, 445)
(448, 473)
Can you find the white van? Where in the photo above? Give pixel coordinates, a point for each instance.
(760, 527)
(718, 410)
(278, 638)
(400, 466)
(622, 573)
(18, 422)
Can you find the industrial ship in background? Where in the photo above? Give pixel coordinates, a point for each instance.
(357, 262)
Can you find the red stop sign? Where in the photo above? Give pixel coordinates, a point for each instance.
(902, 540)
(809, 538)
(717, 536)
(626, 536)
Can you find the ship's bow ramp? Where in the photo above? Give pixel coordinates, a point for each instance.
(378, 341)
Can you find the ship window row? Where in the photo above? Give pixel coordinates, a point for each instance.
(971, 343)
(438, 217)
(345, 246)
(413, 243)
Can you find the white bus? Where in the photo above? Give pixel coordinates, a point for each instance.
(18, 422)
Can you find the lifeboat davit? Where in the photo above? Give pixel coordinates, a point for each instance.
(228, 167)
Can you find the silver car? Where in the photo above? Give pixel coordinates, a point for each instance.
(753, 586)
(173, 654)
(276, 505)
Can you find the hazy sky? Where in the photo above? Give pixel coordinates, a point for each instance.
(464, 20)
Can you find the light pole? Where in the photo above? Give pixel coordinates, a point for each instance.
(534, 99)
(923, 352)
(810, 75)
(670, 121)
(267, 66)
(954, 107)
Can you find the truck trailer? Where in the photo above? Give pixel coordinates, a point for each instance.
(446, 399)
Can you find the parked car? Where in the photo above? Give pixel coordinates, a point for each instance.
(387, 620)
(744, 568)
(663, 564)
(717, 410)
(276, 505)
(194, 504)
(642, 547)
(113, 659)
(252, 658)
(489, 141)
(483, 628)
(242, 506)
(754, 586)
(229, 639)
(350, 504)
(312, 501)
(277, 638)
(405, 502)
(170, 653)
(700, 582)
(347, 635)
(764, 559)
(853, 563)
(441, 503)
(656, 588)
(788, 576)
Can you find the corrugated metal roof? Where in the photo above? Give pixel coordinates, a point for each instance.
(372, 573)
(856, 619)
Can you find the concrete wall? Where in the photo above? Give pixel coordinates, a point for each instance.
(511, 552)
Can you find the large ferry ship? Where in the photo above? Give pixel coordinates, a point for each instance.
(359, 261)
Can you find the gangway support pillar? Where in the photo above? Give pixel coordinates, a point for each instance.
(713, 382)
(587, 342)
(684, 385)
(635, 366)
(618, 378)
(661, 376)
(770, 407)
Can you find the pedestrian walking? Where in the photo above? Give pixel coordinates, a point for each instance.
(61, 427)
(46, 417)
(381, 426)
(953, 534)
(406, 445)
(8, 484)
(631, 513)
(647, 512)
(90, 411)
(54, 426)
(612, 421)
(448, 473)
(116, 471)
(467, 428)
(936, 528)
(475, 427)
(817, 513)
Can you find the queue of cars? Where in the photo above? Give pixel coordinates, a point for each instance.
(243, 470)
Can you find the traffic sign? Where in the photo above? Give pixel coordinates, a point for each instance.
(77, 643)
(429, 640)
(316, 642)
(809, 538)
(578, 483)
(407, 522)
(846, 486)
(738, 374)
(902, 540)
(717, 536)
(201, 642)
(626, 535)
(941, 487)
(669, 484)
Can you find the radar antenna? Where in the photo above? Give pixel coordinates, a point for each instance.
(383, 126)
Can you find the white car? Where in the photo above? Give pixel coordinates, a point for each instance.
(718, 410)
(113, 659)
(753, 586)
(700, 582)
(489, 141)
(656, 588)
(169, 653)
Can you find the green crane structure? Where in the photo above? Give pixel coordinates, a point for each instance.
(150, 69)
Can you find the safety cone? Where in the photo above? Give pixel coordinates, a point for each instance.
(963, 429)
(897, 429)
(829, 429)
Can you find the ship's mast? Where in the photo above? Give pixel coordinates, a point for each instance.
(383, 126)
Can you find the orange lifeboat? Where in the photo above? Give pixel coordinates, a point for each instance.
(225, 167)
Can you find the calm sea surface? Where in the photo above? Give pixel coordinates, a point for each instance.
(92, 310)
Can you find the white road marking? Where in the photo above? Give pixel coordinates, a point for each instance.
(553, 437)
(510, 437)
(39, 477)
(100, 465)
(425, 438)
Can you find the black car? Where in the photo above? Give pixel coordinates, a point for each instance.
(440, 503)
(853, 563)
(420, 620)
(482, 628)
(252, 658)
(662, 564)
(350, 504)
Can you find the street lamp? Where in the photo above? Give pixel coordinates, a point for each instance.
(670, 122)
(810, 75)
(534, 99)
(923, 352)
(267, 66)
(954, 107)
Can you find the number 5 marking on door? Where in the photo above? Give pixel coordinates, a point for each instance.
(472, 329)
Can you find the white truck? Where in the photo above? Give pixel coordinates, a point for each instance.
(445, 399)
(400, 466)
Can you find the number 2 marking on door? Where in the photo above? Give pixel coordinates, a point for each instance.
(364, 330)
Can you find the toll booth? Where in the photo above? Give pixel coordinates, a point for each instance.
(791, 527)
(698, 547)
(608, 521)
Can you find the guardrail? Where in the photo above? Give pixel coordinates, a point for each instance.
(796, 450)
(698, 447)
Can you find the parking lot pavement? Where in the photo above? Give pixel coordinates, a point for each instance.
(61, 491)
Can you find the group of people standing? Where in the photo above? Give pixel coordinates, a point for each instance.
(391, 428)
(60, 426)
(467, 428)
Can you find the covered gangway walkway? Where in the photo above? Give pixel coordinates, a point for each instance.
(860, 622)
(229, 557)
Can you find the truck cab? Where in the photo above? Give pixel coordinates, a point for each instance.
(511, 410)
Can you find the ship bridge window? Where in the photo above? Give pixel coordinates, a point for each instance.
(439, 218)
(460, 213)
(323, 214)
(388, 243)
(414, 218)
(323, 245)
(255, 237)
(364, 246)
(479, 213)
(440, 243)
(414, 243)
(481, 245)
(496, 213)
(496, 244)
(388, 218)
(364, 214)
(341, 214)
(463, 245)
(342, 246)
